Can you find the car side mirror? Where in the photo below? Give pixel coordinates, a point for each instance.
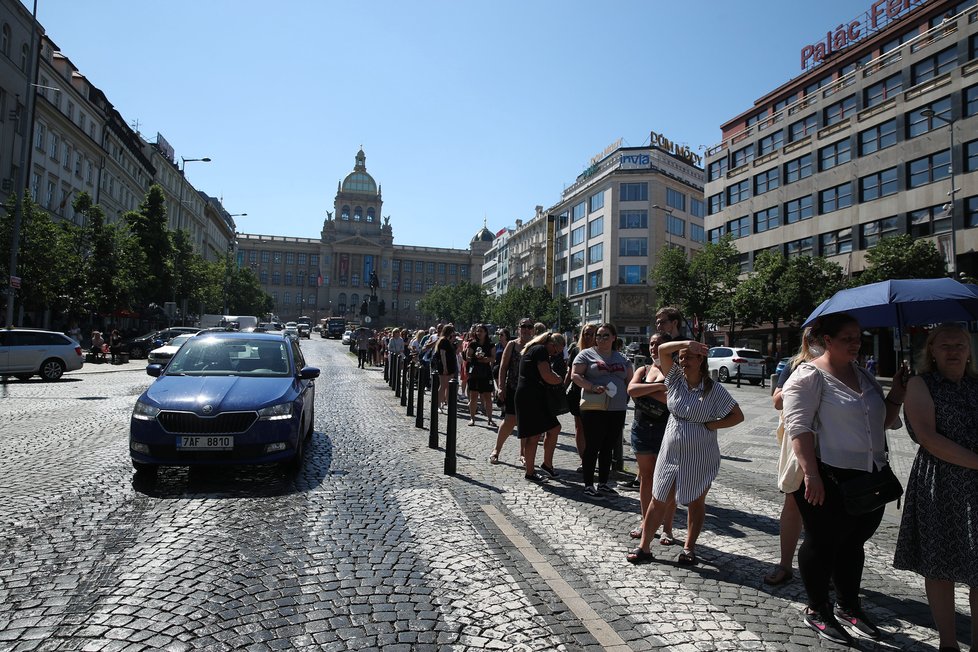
(308, 373)
(154, 370)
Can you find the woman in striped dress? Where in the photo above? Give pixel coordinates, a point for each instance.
(689, 458)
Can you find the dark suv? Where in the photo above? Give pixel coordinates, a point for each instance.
(139, 347)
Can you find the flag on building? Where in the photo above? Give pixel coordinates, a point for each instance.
(319, 279)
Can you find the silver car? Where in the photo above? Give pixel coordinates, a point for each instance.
(25, 353)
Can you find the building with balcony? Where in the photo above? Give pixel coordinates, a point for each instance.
(330, 275)
(863, 145)
(613, 221)
(527, 253)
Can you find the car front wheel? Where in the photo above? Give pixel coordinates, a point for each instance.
(723, 374)
(137, 352)
(52, 369)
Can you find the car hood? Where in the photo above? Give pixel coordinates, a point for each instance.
(165, 350)
(222, 393)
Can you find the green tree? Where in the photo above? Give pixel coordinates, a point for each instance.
(42, 245)
(535, 303)
(463, 304)
(148, 226)
(902, 257)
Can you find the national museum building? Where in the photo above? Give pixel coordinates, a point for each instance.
(330, 275)
(878, 136)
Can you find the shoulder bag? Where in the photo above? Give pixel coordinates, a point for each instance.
(556, 399)
(651, 409)
(868, 492)
(593, 401)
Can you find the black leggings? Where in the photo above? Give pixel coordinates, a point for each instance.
(833, 545)
(602, 429)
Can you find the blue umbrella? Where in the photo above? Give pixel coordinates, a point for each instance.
(903, 302)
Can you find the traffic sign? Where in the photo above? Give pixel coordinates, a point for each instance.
(15, 282)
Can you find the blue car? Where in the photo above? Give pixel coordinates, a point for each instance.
(226, 398)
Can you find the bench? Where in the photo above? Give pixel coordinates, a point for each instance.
(97, 355)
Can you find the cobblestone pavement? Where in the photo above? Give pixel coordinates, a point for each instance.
(372, 546)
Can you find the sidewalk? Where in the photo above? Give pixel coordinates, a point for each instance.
(107, 367)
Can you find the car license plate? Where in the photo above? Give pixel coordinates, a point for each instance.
(206, 443)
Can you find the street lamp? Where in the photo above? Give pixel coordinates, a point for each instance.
(930, 114)
(184, 161)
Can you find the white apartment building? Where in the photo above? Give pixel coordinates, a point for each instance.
(495, 267)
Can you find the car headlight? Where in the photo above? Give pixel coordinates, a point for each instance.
(144, 411)
(276, 412)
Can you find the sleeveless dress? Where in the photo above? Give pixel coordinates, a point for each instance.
(532, 416)
(939, 529)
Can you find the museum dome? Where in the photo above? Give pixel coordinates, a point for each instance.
(359, 181)
(484, 235)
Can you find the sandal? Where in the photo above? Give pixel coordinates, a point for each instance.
(639, 556)
(491, 424)
(687, 558)
(636, 533)
(778, 576)
(666, 540)
(493, 458)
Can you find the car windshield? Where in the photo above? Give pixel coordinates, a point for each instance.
(217, 356)
(180, 339)
(746, 353)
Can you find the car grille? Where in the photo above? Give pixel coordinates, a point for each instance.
(227, 423)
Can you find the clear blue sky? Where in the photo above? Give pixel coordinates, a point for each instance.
(465, 109)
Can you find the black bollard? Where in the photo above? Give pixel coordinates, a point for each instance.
(738, 376)
(411, 372)
(433, 419)
(395, 375)
(386, 371)
(419, 420)
(403, 366)
(450, 457)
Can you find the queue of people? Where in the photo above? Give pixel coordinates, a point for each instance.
(832, 433)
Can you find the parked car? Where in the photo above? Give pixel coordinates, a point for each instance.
(726, 361)
(163, 354)
(304, 331)
(782, 363)
(140, 346)
(225, 398)
(291, 332)
(27, 352)
(347, 338)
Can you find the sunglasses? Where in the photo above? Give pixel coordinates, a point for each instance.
(602, 336)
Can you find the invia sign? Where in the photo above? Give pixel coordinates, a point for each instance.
(634, 161)
(880, 14)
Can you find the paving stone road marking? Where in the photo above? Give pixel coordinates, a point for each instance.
(605, 634)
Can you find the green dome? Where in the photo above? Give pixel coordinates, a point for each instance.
(359, 181)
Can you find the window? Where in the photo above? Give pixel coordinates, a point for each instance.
(277, 257)
(800, 129)
(633, 219)
(263, 276)
(971, 156)
(345, 213)
(878, 184)
(594, 280)
(797, 169)
(596, 201)
(814, 86)
(5, 39)
(917, 123)
(767, 219)
(832, 199)
(577, 236)
(716, 234)
(290, 258)
(633, 192)
(971, 212)
(883, 90)
(562, 220)
(371, 215)
(767, 180)
(716, 203)
(632, 274)
(578, 211)
(560, 243)
(418, 286)
(595, 227)
(441, 269)
(633, 246)
(928, 169)
(55, 146)
(929, 221)
(802, 247)
(430, 268)
(276, 278)
(301, 258)
(696, 207)
(39, 136)
(718, 168)
(452, 269)
(675, 199)
(676, 226)
(742, 156)
(577, 285)
(933, 66)
(743, 263)
(738, 192)
(873, 232)
(288, 278)
(357, 214)
(893, 44)
(834, 154)
(577, 260)
(799, 209)
(419, 267)
(696, 233)
(739, 228)
(266, 257)
(876, 138)
(837, 242)
(770, 143)
(841, 110)
(971, 101)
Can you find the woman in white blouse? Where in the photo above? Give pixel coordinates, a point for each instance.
(835, 415)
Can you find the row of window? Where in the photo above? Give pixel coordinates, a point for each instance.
(6, 47)
(919, 172)
(868, 141)
(357, 214)
(277, 256)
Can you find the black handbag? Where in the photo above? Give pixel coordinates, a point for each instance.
(556, 400)
(651, 409)
(869, 492)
